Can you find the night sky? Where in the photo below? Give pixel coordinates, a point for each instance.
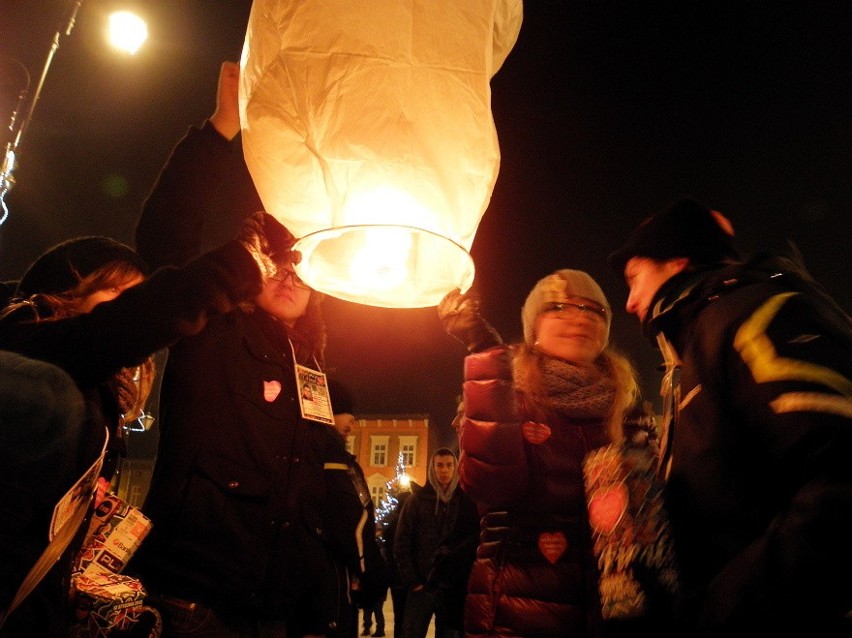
(606, 112)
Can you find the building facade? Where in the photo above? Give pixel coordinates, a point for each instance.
(378, 441)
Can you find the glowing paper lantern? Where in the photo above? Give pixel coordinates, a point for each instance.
(367, 129)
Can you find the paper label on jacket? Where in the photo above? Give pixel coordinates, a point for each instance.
(314, 400)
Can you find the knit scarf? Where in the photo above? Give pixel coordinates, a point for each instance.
(576, 392)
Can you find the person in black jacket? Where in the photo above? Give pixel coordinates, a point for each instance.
(46, 447)
(83, 307)
(758, 426)
(242, 540)
(204, 192)
(434, 517)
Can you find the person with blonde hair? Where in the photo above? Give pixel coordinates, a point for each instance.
(533, 412)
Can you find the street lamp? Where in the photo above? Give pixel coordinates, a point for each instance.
(126, 32)
(367, 129)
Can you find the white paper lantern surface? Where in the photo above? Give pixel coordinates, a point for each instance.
(367, 129)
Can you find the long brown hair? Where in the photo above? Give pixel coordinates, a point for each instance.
(311, 326)
(68, 303)
(131, 386)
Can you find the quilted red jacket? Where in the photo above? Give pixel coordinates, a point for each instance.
(535, 574)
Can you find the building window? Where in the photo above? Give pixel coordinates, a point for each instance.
(408, 450)
(379, 451)
(378, 494)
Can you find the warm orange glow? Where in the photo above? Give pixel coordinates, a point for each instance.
(127, 31)
(369, 134)
(384, 265)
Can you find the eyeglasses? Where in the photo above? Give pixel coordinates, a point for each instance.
(565, 309)
(284, 274)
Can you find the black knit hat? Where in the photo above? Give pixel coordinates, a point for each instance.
(687, 228)
(62, 267)
(341, 400)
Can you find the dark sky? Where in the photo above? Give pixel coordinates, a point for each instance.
(606, 111)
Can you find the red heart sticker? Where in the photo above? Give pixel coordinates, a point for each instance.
(552, 545)
(606, 507)
(271, 390)
(535, 433)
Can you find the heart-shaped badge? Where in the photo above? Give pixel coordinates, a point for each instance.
(271, 390)
(552, 545)
(607, 507)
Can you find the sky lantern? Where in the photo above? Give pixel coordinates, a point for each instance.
(368, 131)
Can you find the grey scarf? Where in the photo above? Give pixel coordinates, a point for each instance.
(574, 391)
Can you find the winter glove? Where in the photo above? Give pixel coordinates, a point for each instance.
(269, 242)
(461, 319)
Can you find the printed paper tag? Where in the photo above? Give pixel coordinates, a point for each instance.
(314, 400)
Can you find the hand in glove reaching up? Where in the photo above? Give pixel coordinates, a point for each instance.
(460, 316)
(269, 242)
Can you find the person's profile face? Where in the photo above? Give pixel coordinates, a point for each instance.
(343, 423)
(644, 276)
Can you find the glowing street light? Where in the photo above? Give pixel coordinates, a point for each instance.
(127, 31)
(125, 28)
(367, 129)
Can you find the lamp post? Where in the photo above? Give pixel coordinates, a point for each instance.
(128, 28)
(367, 129)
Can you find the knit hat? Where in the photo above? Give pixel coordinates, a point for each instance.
(341, 400)
(62, 267)
(555, 288)
(687, 228)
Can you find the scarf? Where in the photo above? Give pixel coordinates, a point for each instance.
(576, 392)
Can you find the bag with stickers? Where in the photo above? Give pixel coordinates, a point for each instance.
(109, 603)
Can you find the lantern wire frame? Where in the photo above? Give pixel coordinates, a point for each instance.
(384, 265)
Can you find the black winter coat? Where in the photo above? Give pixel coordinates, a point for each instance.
(200, 200)
(254, 509)
(432, 548)
(239, 490)
(760, 485)
(93, 347)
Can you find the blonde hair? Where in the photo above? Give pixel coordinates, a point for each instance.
(527, 373)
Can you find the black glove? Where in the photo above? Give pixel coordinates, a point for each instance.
(269, 242)
(461, 319)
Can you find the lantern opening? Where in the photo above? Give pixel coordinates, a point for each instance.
(389, 266)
